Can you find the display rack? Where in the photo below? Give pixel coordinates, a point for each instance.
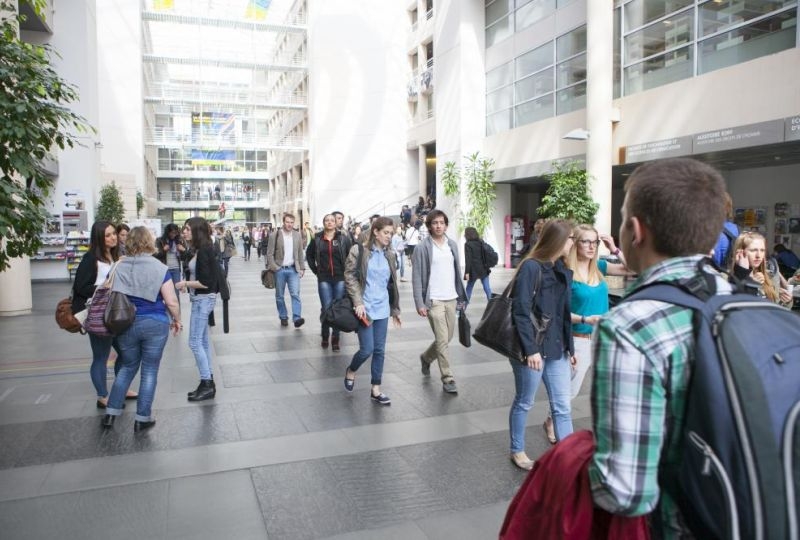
(75, 246)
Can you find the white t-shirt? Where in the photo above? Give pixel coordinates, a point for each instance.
(442, 283)
(103, 269)
(288, 249)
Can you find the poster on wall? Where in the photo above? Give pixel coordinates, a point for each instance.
(781, 226)
(782, 209)
(752, 219)
(784, 239)
(794, 225)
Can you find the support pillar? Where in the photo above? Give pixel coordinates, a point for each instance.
(599, 104)
(16, 297)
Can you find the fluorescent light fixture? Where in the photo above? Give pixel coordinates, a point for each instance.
(578, 134)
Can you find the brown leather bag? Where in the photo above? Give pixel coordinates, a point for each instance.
(65, 319)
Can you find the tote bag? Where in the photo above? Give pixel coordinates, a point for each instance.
(340, 315)
(121, 312)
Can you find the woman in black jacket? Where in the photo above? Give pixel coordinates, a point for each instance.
(326, 255)
(170, 250)
(542, 291)
(202, 284)
(92, 271)
(475, 263)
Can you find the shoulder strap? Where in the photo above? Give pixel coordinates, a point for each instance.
(670, 293)
(729, 235)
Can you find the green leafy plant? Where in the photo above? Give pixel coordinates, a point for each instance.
(568, 196)
(34, 120)
(139, 203)
(110, 207)
(480, 191)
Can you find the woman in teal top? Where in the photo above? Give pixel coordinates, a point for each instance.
(589, 299)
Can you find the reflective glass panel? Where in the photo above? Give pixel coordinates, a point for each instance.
(497, 10)
(499, 76)
(571, 71)
(500, 99)
(765, 37)
(535, 85)
(535, 60)
(716, 16)
(659, 37)
(501, 121)
(667, 68)
(533, 12)
(531, 111)
(571, 99)
(499, 31)
(640, 12)
(571, 43)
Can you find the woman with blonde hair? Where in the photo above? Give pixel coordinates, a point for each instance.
(750, 261)
(542, 291)
(372, 286)
(589, 300)
(147, 283)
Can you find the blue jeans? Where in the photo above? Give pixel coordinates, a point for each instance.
(283, 277)
(401, 263)
(486, 287)
(556, 375)
(140, 345)
(202, 306)
(328, 292)
(101, 348)
(371, 342)
(175, 274)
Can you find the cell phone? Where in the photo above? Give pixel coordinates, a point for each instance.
(365, 319)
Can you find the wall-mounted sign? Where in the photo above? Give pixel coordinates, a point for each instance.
(739, 137)
(678, 146)
(792, 128)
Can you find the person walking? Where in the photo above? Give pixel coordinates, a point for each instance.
(399, 246)
(326, 256)
(285, 258)
(438, 292)
(92, 271)
(371, 281)
(202, 284)
(147, 283)
(476, 266)
(542, 288)
(247, 241)
(225, 246)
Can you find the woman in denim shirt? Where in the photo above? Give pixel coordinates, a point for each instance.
(372, 286)
(201, 282)
(550, 357)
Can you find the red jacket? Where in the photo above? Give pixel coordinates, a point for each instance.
(555, 501)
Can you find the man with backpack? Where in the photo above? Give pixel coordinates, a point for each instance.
(691, 423)
(723, 249)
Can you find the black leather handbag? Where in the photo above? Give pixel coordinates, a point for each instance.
(464, 329)
(340, 315)
(119, 313)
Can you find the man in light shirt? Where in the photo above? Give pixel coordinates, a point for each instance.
(438, 292)
(285, 258)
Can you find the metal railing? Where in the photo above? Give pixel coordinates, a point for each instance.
(169, 137)
(213, 94)
(212, 196)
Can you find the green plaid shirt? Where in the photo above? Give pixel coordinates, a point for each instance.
(643, 353)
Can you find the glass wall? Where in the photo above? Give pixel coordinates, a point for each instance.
(669, 40)
(179, 159)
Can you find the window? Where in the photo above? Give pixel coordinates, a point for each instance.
(497, 10)
(532, 111)
(535, 60)
(641, 12)
(532, 12)
(499, 31)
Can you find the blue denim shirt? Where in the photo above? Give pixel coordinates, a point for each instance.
(376, 295)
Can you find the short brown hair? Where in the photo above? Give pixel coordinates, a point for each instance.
(433, 214)
(681, 201)
(288, 215)
(140, 241)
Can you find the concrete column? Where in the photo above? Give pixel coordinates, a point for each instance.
(599, 97)
(15, 288)
(423, 172)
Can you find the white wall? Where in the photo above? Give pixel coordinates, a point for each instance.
(119, 80)
(357, 107)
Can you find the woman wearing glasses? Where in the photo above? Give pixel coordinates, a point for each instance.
(589, 299)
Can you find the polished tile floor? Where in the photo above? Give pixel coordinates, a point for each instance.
(282, 452)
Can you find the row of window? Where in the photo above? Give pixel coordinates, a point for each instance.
(504, 17)
(179, 159)
(658, 42)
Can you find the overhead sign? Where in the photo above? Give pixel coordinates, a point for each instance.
(677, 146)
(792, 128)
(739, 137)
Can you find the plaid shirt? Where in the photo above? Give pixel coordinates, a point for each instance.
(643, 352)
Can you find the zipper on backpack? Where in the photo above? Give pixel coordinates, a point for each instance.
(788, 447)
(712, 465)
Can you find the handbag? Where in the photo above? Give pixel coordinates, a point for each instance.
(340, 315)
(464, 329)
(268, 279)
(496, 328)
(95, 322)
(66, 320)
(119, 314)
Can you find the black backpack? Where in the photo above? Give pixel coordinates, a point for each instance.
(490, 256)
(739, 469)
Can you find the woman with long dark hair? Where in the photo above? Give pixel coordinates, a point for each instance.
(170, 250)
(92, 272)
(122, 235)
(202, 284)
(542, 291)
(372, 286)
(475, 262)
(326, 255)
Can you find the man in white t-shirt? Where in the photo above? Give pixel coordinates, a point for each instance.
(438, 292)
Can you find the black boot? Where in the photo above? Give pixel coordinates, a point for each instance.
(205, 391)
(140, 425)
(193, 392)
(108, 421)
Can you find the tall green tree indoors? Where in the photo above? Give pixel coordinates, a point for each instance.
(110, 207)
(34, 119)
(568, 196)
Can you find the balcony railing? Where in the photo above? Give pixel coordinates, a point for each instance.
(169, 137)
(208, 94)
(212, 196)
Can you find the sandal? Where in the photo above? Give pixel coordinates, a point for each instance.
(551, 436)
(521, 460)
